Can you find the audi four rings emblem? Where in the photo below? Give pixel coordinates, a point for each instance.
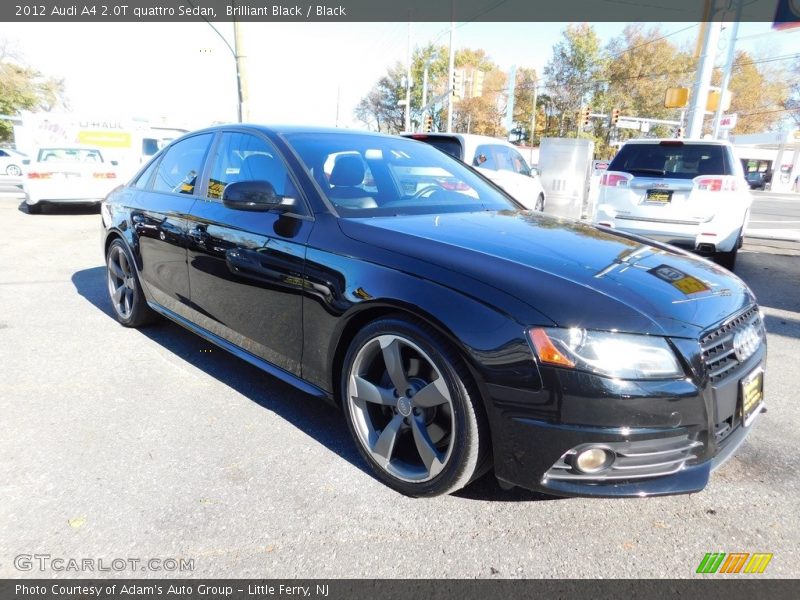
(746, 342)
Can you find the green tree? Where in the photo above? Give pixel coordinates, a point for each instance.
(758, 96)
(481, 114)
(792, 104)
(380, 108)
(573, 75)
(24, 88)
(641, 64)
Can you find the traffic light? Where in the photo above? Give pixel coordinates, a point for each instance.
(679, 132)
(458, 84)
(427, 124)
(614, 117)
(477, 83)
(586, 115)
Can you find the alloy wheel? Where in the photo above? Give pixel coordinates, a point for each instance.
(121, 282)
(401, 408)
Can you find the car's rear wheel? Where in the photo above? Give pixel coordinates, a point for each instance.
(540, 203)
(13, 171)
(124, 289)
(413, 409)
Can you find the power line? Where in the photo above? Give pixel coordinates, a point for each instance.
(663, 37)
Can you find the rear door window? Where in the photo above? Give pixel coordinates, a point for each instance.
(672, 160)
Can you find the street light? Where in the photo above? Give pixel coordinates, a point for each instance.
(236, 52)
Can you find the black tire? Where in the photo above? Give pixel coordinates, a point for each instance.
(124, 289)
(448, 426)
(34, 209)
(727, 259)
(540, 203)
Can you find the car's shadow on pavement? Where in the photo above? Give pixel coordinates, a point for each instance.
(62, 209)
(322, 421)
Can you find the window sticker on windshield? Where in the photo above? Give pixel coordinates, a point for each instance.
(684, 282)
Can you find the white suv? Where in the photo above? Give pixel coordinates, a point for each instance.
(496, 159)
(689, 193)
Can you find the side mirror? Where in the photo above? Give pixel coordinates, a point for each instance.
(26, 161)
(114, 163)
(254, 196)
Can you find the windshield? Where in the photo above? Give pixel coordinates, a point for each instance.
(369, 175)
(70, 155)
(671, 160)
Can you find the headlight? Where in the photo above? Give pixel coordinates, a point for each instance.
(618, 355)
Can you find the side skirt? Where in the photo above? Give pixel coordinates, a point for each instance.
(269, 368)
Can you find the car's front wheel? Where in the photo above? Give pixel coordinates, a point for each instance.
(124, 289)
(413, 409)
(540, 203)
(13, 171)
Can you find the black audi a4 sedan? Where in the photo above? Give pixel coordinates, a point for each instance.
(457, 331)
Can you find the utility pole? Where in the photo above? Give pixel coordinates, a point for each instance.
(425, 86)
(338, 94)
(726, 75)
(705, 67)
(408, 78)
(452, 65)
(241, 72)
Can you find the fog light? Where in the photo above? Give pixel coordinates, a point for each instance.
(593, 460)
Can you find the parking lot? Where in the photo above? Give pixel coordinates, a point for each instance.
(118, 443)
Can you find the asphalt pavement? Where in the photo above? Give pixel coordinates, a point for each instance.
(118, 443)
(775, 216)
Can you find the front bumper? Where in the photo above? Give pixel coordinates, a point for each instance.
(666, 437)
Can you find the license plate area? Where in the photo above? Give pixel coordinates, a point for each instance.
(658, 196)
(751, 391)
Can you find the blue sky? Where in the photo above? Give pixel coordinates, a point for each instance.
(295, 71)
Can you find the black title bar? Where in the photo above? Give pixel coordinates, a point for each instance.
(655, 11)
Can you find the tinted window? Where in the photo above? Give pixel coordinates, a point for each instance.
(143, 180)
(4, 153)
(447, 145)
(671, 160)
(245, 157)
(178, 170)
(149, 146)
(484, 158)
(518, 163)
(369, 175)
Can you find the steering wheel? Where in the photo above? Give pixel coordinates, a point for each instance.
(428, 189)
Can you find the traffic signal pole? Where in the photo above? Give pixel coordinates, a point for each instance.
(451, 67)
(726, 75)
(702, 82)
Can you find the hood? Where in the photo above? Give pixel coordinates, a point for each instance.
(575, 274)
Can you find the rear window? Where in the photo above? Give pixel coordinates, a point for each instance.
(672, 161)
(90, 155)
(447, 145)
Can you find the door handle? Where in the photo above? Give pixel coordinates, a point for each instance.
(198, 233)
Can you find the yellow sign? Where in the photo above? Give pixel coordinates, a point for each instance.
(105, 139)
(713, 100)
(677, 97)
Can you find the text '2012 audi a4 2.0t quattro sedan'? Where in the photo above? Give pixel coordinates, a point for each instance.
(457, 331)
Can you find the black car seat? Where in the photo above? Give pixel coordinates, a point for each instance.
(346, 179)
